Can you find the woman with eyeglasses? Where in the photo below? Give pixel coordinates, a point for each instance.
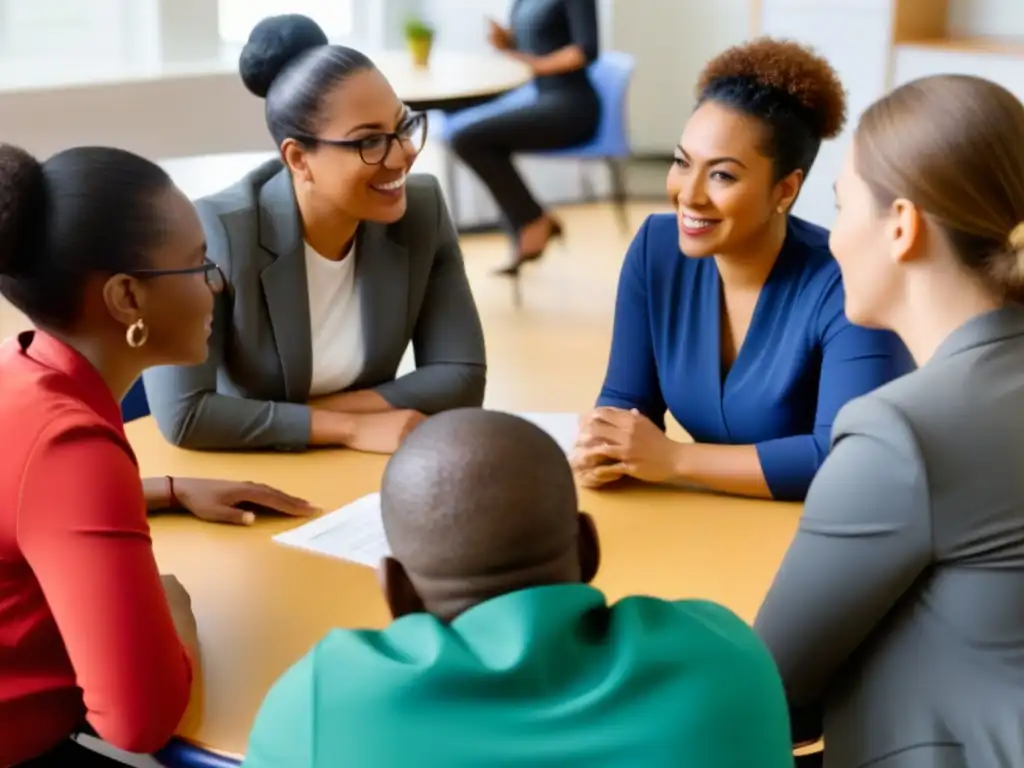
(106, 258)
(336, 259)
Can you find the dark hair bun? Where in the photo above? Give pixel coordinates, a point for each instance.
(21, 204)
(273, 44)
(794, 69)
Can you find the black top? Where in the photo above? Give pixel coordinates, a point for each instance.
(541, 27)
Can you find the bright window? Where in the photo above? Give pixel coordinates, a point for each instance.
(236, 18)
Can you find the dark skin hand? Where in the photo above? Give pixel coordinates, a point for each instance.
(225, 501)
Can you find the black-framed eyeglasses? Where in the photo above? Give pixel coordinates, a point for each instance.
(375, 148)
(214, 277)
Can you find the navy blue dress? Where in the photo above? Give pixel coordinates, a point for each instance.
(800, 362)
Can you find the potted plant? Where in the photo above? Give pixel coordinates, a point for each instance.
(419, 36)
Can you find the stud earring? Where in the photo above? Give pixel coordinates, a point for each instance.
(137, 334)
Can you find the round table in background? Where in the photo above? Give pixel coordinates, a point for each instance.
(452, 80)
(261, 605)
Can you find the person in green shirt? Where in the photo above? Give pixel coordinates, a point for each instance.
(501, 654)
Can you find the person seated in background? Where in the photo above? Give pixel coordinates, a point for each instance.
(557, 39)
(898, 612)
(501, 654)
(730, 311)
(105, 257)
(336, 259)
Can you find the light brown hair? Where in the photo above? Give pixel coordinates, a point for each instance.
(953, 145)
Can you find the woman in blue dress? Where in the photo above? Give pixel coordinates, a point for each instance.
(729, 312)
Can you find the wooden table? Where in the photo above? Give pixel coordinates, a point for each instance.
(260, 605)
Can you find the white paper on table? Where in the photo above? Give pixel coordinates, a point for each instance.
(354, 533)
(563, 427)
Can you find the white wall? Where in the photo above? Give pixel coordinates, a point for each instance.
(147, 75)
(1008, 71)
(671, 41)
(854, 36)
(968, 18)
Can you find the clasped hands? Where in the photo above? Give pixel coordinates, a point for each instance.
(614, 443)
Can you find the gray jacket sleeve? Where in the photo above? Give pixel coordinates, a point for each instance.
(184, 399)
(864, 537)
(448, 340)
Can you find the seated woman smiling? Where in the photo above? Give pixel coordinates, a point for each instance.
(749, 350)
(337, 259)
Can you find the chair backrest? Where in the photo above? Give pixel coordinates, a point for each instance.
(611, 74)
(135, 404)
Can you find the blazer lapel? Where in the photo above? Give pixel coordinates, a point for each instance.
(382, 280)
(284, 284)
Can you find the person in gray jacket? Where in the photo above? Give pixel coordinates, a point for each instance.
(897, 616)
(335, 259)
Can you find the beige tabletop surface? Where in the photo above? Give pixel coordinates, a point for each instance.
(261, 605)
(450, 75)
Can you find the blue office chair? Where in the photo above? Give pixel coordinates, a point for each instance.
(611, 75)
(135, 404)
(180, 754)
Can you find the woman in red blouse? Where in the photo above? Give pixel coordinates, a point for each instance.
(106, 257)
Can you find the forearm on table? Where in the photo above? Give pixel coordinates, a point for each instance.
(566, 59)
(731, 469)
(437, 387)
(209, 421)
(358, 401)
(157, 491)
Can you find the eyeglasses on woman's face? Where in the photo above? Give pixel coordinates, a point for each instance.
(375, 148)
(214, 277)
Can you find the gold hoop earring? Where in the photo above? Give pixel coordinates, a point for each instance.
(137, 334)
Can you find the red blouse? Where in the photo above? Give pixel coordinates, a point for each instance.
(85, 630)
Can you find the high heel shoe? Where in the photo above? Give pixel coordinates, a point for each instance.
(512, 268)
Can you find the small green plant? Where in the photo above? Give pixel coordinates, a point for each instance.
(417, 29)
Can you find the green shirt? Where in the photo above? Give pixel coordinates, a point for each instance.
(546, 677)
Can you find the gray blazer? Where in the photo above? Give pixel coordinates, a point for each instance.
(252, 390)
(899, 608)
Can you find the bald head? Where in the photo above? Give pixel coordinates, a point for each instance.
(476, 503)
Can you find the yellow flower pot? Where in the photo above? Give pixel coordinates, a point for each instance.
(419, 48)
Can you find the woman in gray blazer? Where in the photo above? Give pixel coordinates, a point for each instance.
(898, 613)
(336, 259)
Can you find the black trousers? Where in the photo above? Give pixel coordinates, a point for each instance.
(71, 754)
(807, 726)
(558, 119)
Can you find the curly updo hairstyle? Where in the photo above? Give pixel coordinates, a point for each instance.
(289, 62)
(792, 91)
